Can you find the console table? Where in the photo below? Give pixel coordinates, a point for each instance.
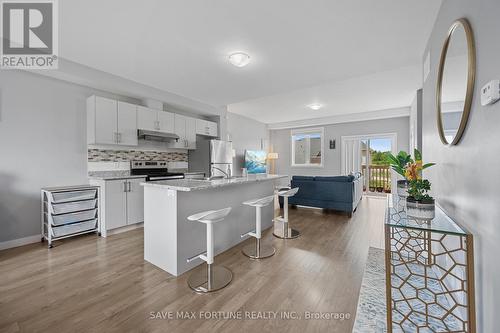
(429, 273)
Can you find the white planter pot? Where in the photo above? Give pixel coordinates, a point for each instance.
(420, 211)
(402, 188)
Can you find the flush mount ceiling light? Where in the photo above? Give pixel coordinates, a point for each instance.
(315, 106)
(239, 59)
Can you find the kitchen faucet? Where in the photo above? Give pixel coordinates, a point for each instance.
(228, 175)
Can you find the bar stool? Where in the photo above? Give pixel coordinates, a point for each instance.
(258, 251)
(214, 277)
(286, 232)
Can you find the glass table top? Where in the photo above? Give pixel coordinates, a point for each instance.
(395, 216)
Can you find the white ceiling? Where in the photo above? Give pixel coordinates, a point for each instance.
(181, 46)
(380, 91)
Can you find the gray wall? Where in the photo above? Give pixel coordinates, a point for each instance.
(464, 180)
(245, 133)
(42, 142)
(280, 142)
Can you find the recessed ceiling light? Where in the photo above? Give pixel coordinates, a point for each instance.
(239, 59)
(315, 106)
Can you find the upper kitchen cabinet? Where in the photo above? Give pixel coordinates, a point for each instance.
(205, 127)
(185, 128)
(155, 120)
(166, 121)
(110, 122)
(191, 132)
(127, 124)
(102, 120)
(147, 119)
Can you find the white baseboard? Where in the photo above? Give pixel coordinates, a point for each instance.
(20, 242)
(124, 229)
(37, 238)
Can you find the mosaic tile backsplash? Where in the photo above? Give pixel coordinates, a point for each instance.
(107, 155)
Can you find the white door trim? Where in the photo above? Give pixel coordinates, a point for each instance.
(394, 149)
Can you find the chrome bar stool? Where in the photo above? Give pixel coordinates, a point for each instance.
(258, 251)
(286, 232)
(214, 277)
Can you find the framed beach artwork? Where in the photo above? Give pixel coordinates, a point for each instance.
(255, 161)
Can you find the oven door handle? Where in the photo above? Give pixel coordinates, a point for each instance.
(152, 179)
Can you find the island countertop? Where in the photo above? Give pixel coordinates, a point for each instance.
(186, 185)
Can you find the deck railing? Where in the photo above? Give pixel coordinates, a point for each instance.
(379, 179)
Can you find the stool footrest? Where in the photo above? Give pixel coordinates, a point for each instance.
(250, 233)
(201, 255)
(279, 219)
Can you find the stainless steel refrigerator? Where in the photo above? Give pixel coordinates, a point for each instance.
(213, 157)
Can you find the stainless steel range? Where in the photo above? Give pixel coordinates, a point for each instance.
(153, 170)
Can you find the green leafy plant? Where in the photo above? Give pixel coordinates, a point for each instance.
(399, 162)
(418, 187)
(418, 190)
(418, 159)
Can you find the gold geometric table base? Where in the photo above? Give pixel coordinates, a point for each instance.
(430, 281)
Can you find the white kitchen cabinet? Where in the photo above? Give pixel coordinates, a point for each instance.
(207, 128)
(127, 124)
(111, 122)
(185, 128)
(155, 120)
(122, 203)
(135, 201)
(115, 204)
(191, 132)
(213, 129)
(147, 119)
(180, 130)
(101, 116)
(166, 121)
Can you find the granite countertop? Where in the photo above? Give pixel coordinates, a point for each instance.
(187, 185)
(115, 174)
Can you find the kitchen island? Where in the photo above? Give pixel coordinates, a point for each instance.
(170, 239)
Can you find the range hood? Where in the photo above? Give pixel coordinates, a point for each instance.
(156, 136)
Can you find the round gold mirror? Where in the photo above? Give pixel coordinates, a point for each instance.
(455, 84)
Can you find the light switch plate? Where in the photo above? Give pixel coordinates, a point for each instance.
(490, 92)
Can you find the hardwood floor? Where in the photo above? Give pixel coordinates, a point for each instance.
(92, 284)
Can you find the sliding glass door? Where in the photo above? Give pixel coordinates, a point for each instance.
(375, 165)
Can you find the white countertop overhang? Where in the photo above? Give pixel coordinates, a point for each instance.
(186, 185)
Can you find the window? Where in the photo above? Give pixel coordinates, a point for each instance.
(307, 147)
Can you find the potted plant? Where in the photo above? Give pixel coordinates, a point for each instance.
(398, 163)
(372, 186)
(419, 204)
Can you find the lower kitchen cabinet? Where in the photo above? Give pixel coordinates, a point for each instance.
(135, 201)
(122, 203)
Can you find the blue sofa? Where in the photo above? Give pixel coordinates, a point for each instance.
(341, 193)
